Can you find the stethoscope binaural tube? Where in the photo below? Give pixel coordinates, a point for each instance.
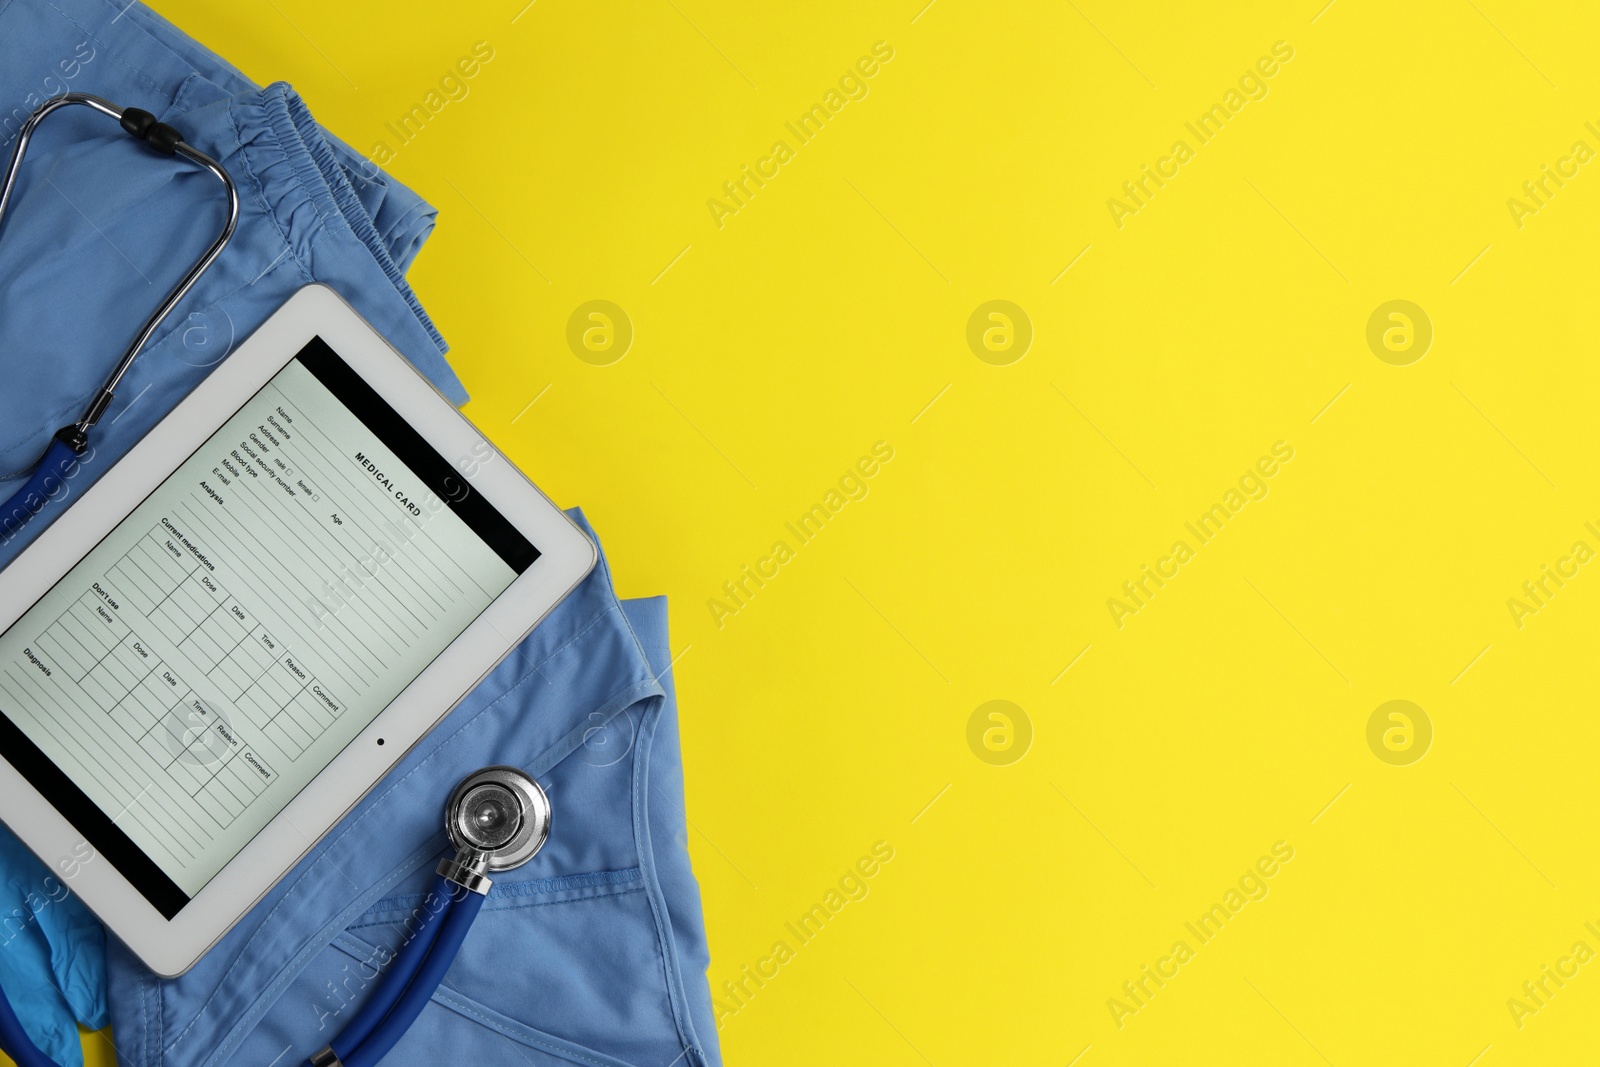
(70, 441)
(497, 819)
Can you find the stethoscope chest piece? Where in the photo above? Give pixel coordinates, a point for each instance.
(497, 819)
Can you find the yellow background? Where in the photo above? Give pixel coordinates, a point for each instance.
(1228, 314)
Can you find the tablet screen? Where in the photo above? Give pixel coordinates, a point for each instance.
(212, 654)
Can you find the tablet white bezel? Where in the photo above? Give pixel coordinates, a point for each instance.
(170, 947)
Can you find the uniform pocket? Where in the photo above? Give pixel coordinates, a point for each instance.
(562, 968)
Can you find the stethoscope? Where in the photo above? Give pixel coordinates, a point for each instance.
(497, 819)
(71, 441)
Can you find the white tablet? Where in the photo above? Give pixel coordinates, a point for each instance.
(229, 639)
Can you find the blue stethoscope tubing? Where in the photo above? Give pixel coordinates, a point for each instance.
(49, 476)
(70, 442)
(497, 818)
(410, 981)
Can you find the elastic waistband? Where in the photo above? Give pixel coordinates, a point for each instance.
(301, 153)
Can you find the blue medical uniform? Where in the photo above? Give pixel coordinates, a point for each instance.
(594, 953)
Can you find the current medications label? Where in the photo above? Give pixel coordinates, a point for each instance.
(215, 652)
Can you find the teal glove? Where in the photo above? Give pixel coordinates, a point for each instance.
(52, 954)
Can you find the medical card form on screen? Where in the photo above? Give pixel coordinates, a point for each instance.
(208, 658)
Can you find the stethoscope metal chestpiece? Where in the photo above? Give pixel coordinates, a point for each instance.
(497, 819)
